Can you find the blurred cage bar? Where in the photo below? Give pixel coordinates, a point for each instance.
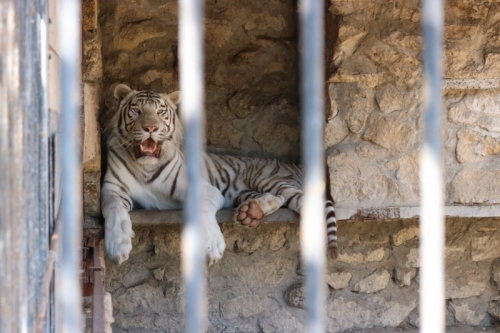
(432, 303)
(192, 116)
(312, 217)
(31, 136)
(29, 194)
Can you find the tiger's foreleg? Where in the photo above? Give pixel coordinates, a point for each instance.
(213, 239)
(253, 206)
(116, 204)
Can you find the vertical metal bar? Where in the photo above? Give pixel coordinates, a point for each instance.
(313, 223)
(23, 176)
(11, 143)
(69, 293)
(192, 80)
(42, 284)
(432, 306)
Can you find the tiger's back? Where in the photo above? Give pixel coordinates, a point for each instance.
(234, 175)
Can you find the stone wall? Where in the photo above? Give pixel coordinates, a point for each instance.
(251, 74)
(258, 284)
(375, 129)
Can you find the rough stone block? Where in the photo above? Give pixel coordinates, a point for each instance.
(396, 131)
(374, 282)
(401, 40)
(282, 320)
(338, 280)
(469, 311)
(164, 243)
(351, 258)
(131, 35)
(394, 97)
(375, 255)
(474, 146)
(295, 295)
(347, 313)
(264, 23)
(159, 273)
(413, 258)
(468, 286)
(247, 305)
(336, 131)
(486, 247)
(477, 110)
(405, 235)
(357, 182)
(403, 276)
(475, 186)
(353, 102)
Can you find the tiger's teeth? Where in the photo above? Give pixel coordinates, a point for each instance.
(142, 149)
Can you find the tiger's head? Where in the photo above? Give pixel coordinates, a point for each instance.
(146, 124)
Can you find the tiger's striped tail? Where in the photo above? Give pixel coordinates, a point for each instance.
(331, 219)
(331, 230)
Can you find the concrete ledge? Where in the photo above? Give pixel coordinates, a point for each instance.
(408, 212)
(170, 217)
(284, 215)
(449, 329)
(470, 84)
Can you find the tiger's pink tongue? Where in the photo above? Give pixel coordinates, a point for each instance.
(148, 146)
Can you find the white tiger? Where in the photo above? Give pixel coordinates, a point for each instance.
(146, 167)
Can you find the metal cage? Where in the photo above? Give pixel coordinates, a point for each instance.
(39, 162)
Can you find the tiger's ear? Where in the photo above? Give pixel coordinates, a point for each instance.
(121, 91)
(175, 97)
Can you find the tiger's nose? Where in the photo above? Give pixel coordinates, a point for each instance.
(150, 129)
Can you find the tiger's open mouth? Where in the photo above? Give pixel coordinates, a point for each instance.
(147, 148)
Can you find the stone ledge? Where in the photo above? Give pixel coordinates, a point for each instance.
(284, 215)
(449, 329)
(471, 84)
(408, 212)
(169, 217)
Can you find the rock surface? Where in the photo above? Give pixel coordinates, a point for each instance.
(258, 284)
(250, 61)
(376, 90)
(374, 282)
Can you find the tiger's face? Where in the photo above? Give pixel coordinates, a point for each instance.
(148, 123)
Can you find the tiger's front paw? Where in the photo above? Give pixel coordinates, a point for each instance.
(118, 239)
(214, 242)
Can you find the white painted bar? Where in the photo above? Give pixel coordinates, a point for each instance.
(192, 116)
(432, 303)
(69, 293)
(313, 222)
